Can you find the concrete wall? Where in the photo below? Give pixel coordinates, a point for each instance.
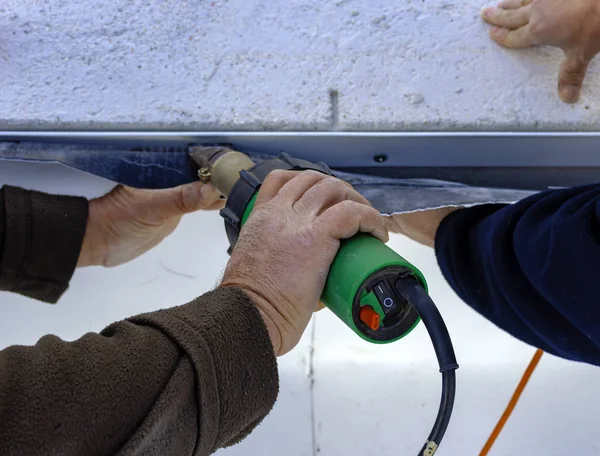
(257, 64)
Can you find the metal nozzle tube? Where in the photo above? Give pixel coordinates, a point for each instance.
(223, 164)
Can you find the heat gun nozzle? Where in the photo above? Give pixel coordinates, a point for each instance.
(220, 166)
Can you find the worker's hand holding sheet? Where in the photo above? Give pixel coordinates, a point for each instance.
(571, 25)
(128, 222)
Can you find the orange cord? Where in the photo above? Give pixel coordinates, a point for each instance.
(513, 402)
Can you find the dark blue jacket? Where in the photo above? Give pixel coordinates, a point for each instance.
(532, 268)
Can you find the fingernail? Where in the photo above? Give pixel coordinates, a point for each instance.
(489, 12)
(496, 30)
(569, 94)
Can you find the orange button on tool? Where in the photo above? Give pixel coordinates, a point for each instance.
(369, 317)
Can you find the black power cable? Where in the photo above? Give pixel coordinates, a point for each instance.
(414, 293)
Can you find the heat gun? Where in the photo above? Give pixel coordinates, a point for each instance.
(370, 287)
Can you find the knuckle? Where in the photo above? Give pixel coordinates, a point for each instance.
(335, 214)
(332, 180)
(373, 217)
(275, 181)
(372, 214)
(346, 211)
(342, 185)
(573, 70)
(568, 77)
(499, 16)
(537, 27)
(345, 206)
(276, 175)
(312, 174)
(332, 184)
(182, 200)
(122, 197)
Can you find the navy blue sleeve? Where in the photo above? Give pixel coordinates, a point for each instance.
(532, 268)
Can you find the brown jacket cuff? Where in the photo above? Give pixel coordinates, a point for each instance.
(224, 335)
(40, 242)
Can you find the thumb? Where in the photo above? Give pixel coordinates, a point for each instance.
(187, 198)
(572, 73)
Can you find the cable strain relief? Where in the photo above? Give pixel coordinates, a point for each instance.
(448, 367)
(429, 449)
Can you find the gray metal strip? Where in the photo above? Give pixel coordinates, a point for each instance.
(368, 149)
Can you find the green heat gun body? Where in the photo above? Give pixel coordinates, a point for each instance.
(371, 288)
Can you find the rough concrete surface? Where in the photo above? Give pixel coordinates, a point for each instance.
(269, 65)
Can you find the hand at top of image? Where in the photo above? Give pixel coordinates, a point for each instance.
(571, 25)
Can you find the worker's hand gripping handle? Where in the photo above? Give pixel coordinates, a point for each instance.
(361, 286)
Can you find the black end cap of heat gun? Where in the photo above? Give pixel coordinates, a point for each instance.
(250, 181)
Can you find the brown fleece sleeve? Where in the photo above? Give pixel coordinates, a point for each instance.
(40, 241)
(186, 381)
(183, 381)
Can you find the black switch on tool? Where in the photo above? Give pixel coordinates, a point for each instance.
(385, 297)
